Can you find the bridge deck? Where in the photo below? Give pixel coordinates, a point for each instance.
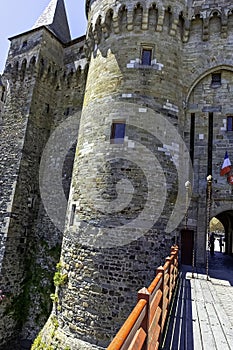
(202, 314)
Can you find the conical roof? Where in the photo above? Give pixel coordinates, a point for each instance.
(55, 19)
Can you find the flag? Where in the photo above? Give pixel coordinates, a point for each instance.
(226, 167)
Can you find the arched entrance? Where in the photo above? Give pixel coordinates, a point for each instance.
(222, 226)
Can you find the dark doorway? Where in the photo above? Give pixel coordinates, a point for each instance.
(187, 245)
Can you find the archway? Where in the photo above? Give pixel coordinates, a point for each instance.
(222, 225)
(217, 230)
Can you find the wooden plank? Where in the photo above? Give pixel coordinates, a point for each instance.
(197, 343)
(206, 331)
(222, 297)
(134, 329)
(165, 292)
(126, 333)
(154, 324)
(206, 291)
(153, 340)
(166, 278)
(198, 291)
(138, 340)
(154, 304)
(226, 325)
(217, 330)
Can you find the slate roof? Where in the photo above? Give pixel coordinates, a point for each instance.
(55, 19)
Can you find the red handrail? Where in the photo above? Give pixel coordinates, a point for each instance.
(143, 328)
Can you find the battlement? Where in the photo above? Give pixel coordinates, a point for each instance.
(176, 18)
(47, 70)
(29, 58)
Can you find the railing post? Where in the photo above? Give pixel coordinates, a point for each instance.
(169, 260)
(144, 294)
(174, 251)
(160, 269)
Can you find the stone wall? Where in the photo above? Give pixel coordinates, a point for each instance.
(30, 242)
(208, 51)
(122, 195)
(126, 203)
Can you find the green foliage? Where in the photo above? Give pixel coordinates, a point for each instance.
(19, 305)
(54, 322)
(54, 297)
(59, 279)
(38, 344)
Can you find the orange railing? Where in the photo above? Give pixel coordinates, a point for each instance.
(144, 327)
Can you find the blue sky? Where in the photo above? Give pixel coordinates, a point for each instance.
(18, 16)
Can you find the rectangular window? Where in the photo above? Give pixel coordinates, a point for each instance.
(46, 108)
(216, 79)
(72, 215)
(146, 56)
(117, 132)
(230, 123)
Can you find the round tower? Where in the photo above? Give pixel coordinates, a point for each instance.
(127, 194)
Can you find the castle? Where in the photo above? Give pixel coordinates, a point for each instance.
(106, 144)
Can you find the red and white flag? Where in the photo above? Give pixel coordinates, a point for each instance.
(226, 167)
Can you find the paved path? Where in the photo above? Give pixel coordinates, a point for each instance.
(202, 314)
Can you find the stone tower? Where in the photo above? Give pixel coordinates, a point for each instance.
(156, 112)
(39, 68)
(126, 198)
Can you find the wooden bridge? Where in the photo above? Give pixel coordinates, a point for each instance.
(182, 309)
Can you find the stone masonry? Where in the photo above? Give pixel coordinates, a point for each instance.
(161, 72)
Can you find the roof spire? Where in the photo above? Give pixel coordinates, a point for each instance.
(54, 18)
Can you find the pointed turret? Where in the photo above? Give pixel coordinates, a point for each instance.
(55, 19)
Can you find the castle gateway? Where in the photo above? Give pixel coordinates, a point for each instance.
(106, 144)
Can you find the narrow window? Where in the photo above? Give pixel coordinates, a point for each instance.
(117, 132)
(230, 123)
(73, 209)
(3, 93)
(146, 56)
(67, 111)
(25, 43)
(216, 79)
(210, 143)
(47, 108)
(192, 136)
